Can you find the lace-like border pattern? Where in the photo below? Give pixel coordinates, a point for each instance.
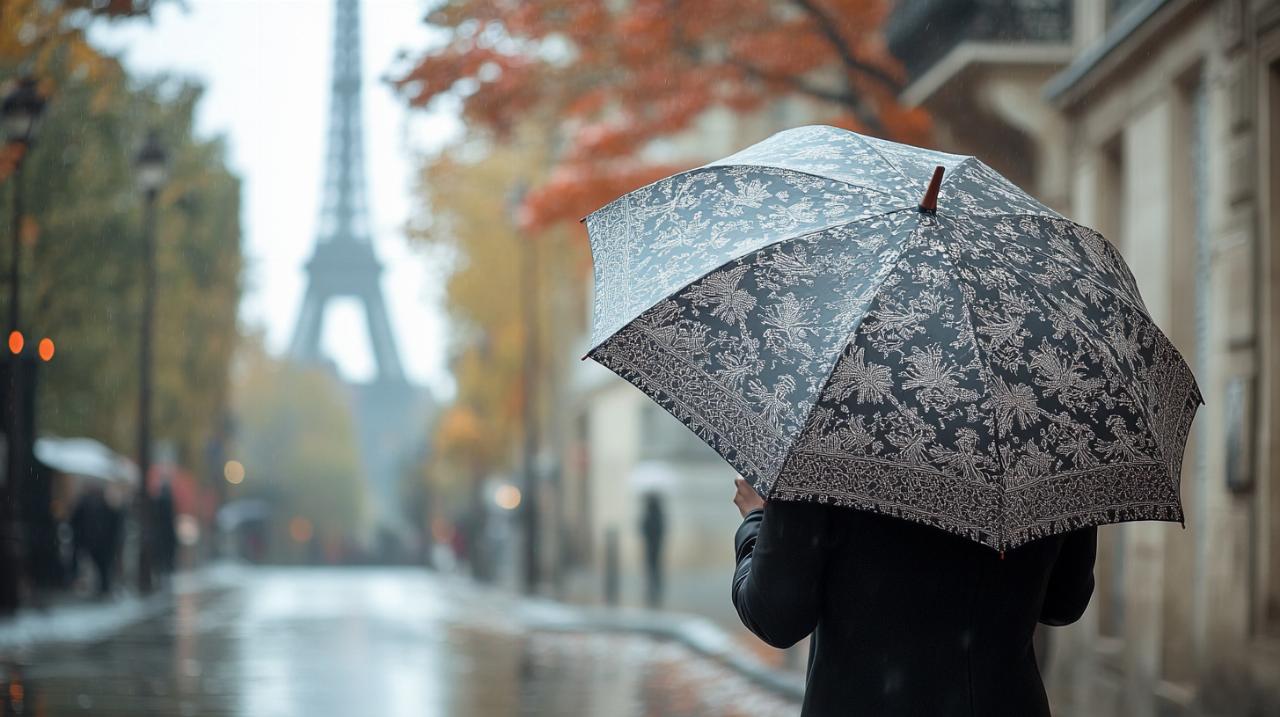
(986, 513)
(721, 417)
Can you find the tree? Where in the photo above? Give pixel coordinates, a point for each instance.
(469, 225)
(623, 74)
(48, 40)
(82, 242)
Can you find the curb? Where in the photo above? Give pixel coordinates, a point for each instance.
(89, 619)
(699, 634)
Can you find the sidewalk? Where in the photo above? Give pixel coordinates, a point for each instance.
(699, 634)
(704, 593)
(313, 641)
(70, 618)
(84, 620)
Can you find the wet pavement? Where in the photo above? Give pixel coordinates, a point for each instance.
(315, 642)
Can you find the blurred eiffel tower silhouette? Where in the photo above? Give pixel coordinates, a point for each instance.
(344, 265)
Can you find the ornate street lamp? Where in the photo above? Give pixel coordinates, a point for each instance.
(152, 165)
(20, 112)
(152, 169)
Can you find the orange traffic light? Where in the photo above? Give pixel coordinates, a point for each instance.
(16, 342)
(46, 349)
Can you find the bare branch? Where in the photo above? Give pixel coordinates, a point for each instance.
(849, 100)
(827, 26)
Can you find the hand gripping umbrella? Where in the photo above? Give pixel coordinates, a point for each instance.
(971, 360)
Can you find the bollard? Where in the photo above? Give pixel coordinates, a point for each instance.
(611, 566)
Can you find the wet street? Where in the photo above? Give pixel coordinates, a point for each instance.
(313, 642)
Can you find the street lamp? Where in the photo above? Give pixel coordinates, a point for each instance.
(528, 296)
(20, 112)
(152, 168)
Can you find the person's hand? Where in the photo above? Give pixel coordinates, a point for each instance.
(746, 497)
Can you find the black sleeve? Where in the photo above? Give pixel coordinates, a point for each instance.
(777, 587)
(1071, 584)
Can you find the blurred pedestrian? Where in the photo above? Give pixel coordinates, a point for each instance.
(95, 529)
(653, 527)
(164, 532)
(905, 619)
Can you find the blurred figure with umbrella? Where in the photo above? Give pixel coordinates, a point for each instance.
(95, 530)
(165, 530)
(650, 478)
(653, 528)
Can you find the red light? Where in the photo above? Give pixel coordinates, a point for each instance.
(16, 342)
(46, 349)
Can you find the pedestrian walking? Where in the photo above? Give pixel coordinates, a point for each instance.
(653, 528)
(95, 532)
(164, 526)
(933, 386)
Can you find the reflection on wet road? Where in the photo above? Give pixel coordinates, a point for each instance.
(366, 642)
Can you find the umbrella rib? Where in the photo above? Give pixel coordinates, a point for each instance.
(909, 243)
(1096, 341)
(759, 165)
(995, 419)
(883, 158)
(667, 293)
(1103, 287)
(983, 369)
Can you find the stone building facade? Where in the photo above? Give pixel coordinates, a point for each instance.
(1154, 121)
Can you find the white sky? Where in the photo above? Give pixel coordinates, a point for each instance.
(266, 67)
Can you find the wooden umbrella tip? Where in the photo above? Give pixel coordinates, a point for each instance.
(929, 205)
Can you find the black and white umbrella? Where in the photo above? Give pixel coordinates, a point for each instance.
(971, 360)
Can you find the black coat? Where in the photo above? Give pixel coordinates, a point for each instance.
(906, 619)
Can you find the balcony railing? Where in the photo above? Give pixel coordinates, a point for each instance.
(922, 32)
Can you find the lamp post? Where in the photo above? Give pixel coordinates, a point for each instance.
(528, 294)
(152, 166)
(20, 112)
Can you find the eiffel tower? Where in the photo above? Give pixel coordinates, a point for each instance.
(344, 265)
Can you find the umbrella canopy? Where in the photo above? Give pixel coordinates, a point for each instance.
(985, 366)
(86, 458)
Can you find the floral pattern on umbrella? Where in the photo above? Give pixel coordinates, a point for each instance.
(990, 369)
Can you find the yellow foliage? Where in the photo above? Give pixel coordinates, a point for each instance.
(471, 193)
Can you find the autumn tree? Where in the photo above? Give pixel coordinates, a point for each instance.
(49, 41)
(469, 223)
(621, 74)
(82, 239)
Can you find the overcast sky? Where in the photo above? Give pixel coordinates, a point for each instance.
(266, 67)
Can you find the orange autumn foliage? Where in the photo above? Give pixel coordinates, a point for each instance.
(621, 74)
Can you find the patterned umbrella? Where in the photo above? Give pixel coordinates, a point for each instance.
(973, 361)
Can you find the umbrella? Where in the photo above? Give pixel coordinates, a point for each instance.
(85, 457)
(870, 324)
(652, 476)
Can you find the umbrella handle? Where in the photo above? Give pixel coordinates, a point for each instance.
(929, 205)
